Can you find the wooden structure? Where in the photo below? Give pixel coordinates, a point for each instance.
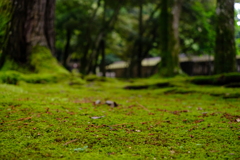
(194, 65)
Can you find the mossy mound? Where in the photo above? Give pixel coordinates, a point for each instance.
(41, 68)
(40, 61)
(43, 61)
(14, 77)
(221, 79)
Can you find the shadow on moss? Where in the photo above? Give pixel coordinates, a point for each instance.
(221, 79)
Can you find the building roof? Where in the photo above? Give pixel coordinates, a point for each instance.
(153, 61)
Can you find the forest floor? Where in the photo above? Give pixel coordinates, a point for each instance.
(148, 119)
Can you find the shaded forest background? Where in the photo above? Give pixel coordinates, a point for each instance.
(95, 33)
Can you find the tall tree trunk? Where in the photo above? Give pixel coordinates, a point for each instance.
(49, 24)
(139, 56)
(27, 29)
(225, 51)
(66, 50)
(31, 30)
(102, 43)
(103, 64)
(84, 64)
(169, 35)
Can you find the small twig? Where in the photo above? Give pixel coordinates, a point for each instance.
(70, 142)
(143, 107)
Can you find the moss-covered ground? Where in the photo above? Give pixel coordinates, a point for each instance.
(175, 120)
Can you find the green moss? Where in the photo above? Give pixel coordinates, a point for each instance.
(15, 77)
(55, 121)
(9, 64)
(220, 79)
(10, 77)
(93, 77)
(43, 61)
(42, 68)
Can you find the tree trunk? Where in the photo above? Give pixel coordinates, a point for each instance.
(225, 50)
(106, 28)
(30, 39)
(148, 32)
(67, 46)
(49, 24)
(169, 37)
(103, 64)
(84, 64)
(102, 43)
(139, 58)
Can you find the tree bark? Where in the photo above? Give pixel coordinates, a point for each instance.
(225, 50)
(169, 37)
(31, 30)
(139, 58)
(66, 49)
(49, 24)
(103, 64)
(102, 43)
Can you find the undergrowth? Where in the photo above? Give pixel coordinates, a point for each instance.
(72, 121)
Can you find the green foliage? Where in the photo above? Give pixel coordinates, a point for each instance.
(85, 21)
(197, 30)
(74, 16)
(54, 121)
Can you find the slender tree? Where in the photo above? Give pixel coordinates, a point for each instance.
(140, 37)
(139, 45)
(102, 43)
(99, 43)
(225, 50)
(169, 37)
(30, 38)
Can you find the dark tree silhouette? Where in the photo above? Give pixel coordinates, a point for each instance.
(225, 50)
(169, 37)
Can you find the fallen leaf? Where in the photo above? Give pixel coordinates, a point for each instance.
(198, 121)
(150, 134)
(70, 142)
